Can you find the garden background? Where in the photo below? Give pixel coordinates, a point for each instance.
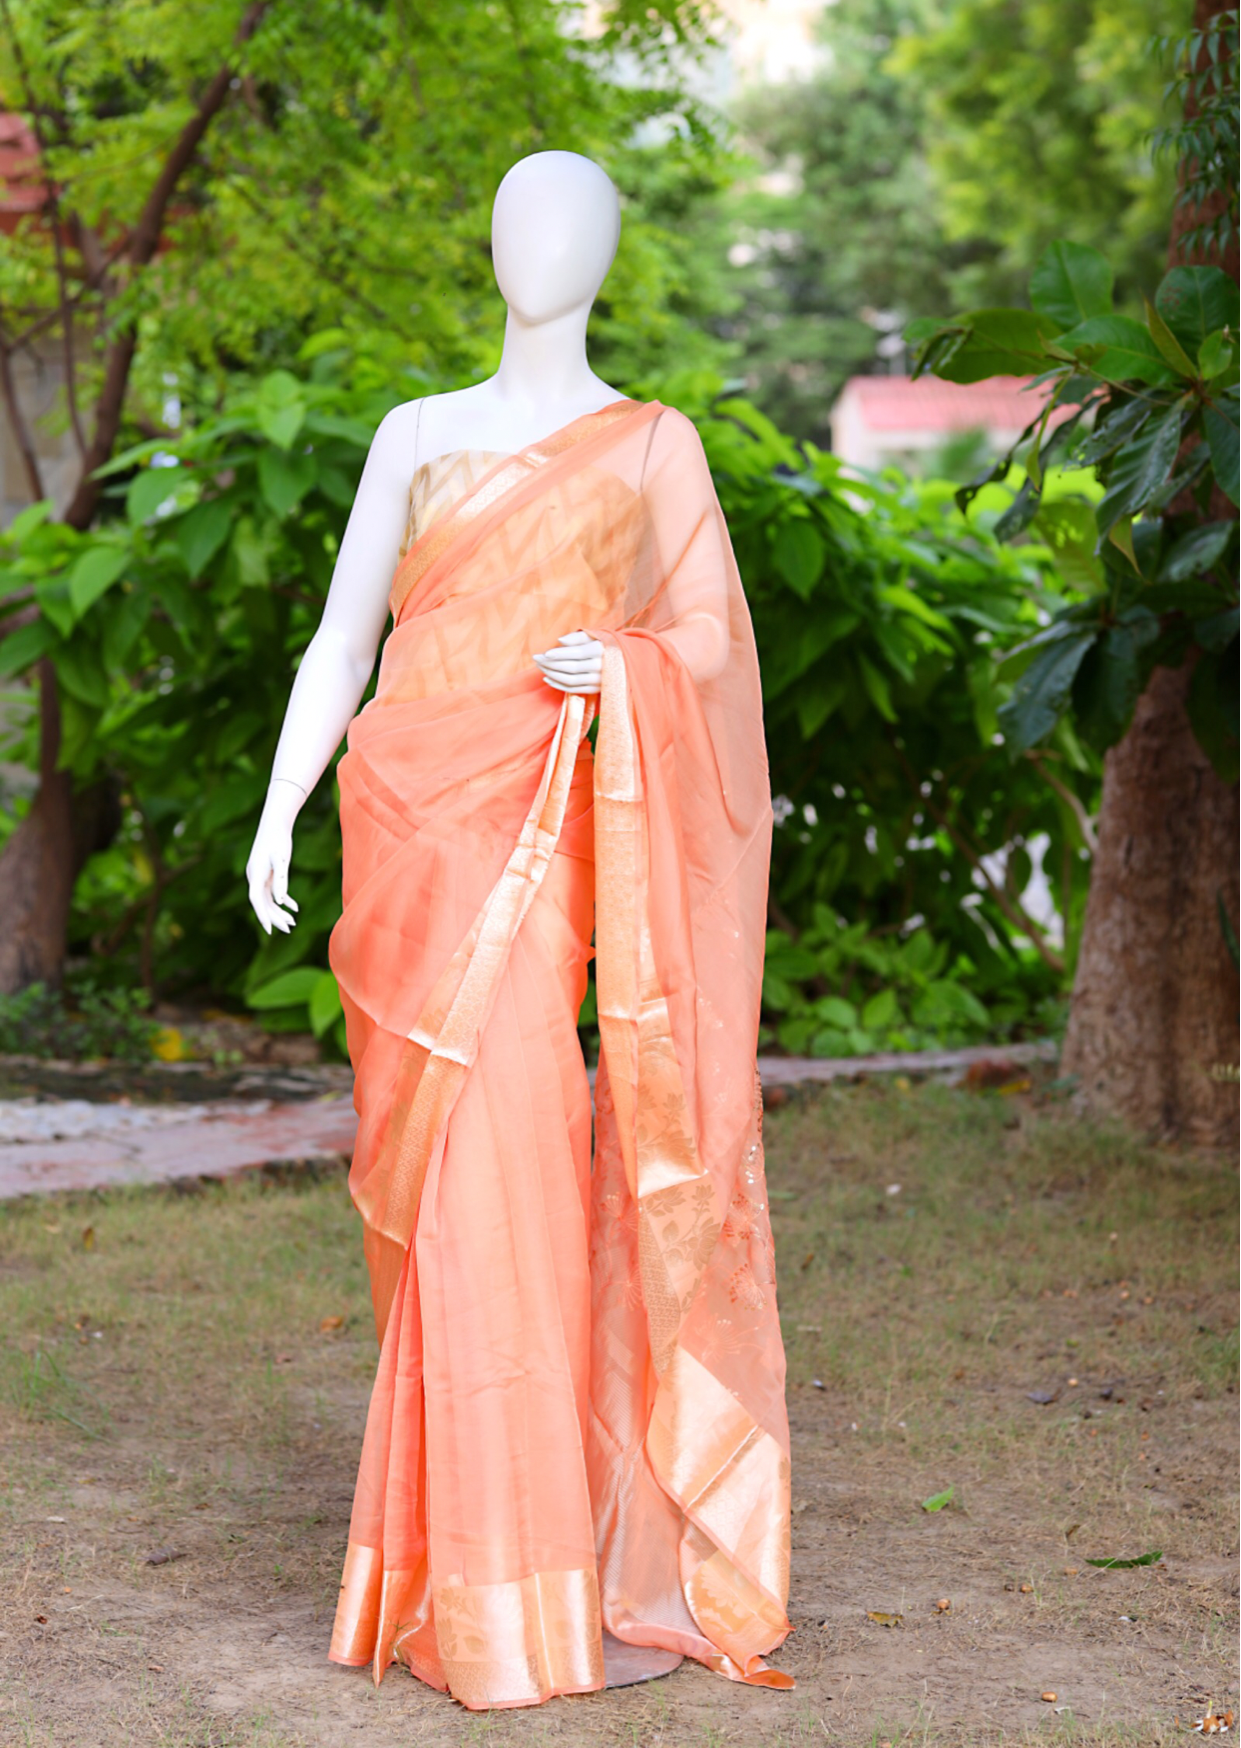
(242, 237)
(1001, 712)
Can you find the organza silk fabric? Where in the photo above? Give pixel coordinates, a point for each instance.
(578, 1417)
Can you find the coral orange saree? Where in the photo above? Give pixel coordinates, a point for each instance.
(578, 1423)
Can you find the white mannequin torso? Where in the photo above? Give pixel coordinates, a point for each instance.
(555, 227)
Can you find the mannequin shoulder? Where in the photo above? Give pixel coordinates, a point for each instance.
(675, 440)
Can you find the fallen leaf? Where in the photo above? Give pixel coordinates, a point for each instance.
(807, 1259)
(51, 1225)
(1014, 1086)
(1042, 1397)
(41, 1619)
(169, 1045)
(884, 1620)
(943, 1605)
(1214, 1723)
(1119, 1564)
(88, 1238)
(1072, 1530)
(1025, 1589)
(959, 1374)
(163, 1556)
(1050, 1696)
(1072, 1383)
(328, 1324)
(156, 1668)
(1071, 1571)
(937, 1501)
(990, 1073)
(53, 1520)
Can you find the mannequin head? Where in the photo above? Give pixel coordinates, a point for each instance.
(554, 230)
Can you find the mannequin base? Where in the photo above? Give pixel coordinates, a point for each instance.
(625, 1665)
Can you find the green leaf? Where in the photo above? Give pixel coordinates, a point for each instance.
(52, 595)
(938, 1501)
(93, 575)
(1071, 282)
(1211, 706)
(1216, 630)
(798, 553)
(1042, 693)
(816, 700)
(325, 1004)
(1019, 514)
(1068, 527)
(281, 408)
(26, 521)
(1220, 423)
(155, 487)
(123, 619)
(999, 342)
(1121, 536)
(1217, 354)
(25, 646)
(1194, 302)
(200, 534)
(1168, 343)
(1109, 682)
(1139, 469)
(1126, 350)
(290, 990)
(905, 600)
(876, 688)
(1122, 1565)
(834, 1010)
(1193, 554)
(285, 479)
(80, 671)
(881, 1011)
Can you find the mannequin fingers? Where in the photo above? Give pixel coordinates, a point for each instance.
(571, 637)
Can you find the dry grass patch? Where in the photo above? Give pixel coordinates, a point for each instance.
(186, 1374)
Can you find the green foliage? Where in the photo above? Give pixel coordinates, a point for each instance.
(1153, 407)
(879, 618)
(841, 991)
(1037, 128)
(91, 1023)
(348, 179)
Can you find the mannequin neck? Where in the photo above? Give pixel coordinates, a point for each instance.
(543, 364)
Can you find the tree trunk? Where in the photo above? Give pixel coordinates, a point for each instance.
(1153, 1029)
(37, 868)
(1154, 1016)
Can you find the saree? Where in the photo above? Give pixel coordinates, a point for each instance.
(577, 1425)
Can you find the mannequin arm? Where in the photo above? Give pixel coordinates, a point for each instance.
(336, 666)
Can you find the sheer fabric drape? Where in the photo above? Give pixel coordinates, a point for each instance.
(578, 1416)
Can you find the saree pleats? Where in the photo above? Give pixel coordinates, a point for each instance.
(578, 1420)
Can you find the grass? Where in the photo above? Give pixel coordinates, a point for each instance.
(188, 1371)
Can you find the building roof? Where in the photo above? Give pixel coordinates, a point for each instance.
(22, 189)
(899, 403)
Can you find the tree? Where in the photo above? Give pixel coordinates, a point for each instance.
(219, 181)
(1038, 121)
(1146, 661)
(838, 225)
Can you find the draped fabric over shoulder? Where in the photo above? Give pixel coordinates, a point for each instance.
(578, 1422)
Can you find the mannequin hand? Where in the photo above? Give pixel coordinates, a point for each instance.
(267, 870)
(576, 665)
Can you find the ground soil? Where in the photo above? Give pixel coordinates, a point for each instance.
(174, 1392)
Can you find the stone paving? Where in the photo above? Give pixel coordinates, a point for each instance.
(49, 1141)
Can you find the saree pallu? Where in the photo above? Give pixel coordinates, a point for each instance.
(578, 1422)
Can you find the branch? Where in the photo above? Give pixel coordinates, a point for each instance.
(1073, 802)
(17, 421)
(143, 242)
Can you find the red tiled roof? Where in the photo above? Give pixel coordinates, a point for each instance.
(21, 188)
(899, 403)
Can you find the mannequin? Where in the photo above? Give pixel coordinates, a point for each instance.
(575, 1464)
(555, 228)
